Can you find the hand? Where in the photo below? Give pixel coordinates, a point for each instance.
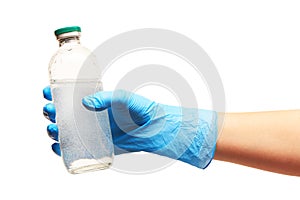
(139, 124)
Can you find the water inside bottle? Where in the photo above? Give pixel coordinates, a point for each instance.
(84, 135)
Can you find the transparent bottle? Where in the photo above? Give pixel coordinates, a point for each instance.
(84, 135)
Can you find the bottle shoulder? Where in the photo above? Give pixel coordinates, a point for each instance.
(73, 61)
(75, 50)
(70, 53)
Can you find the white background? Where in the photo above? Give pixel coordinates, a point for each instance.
(255, 46)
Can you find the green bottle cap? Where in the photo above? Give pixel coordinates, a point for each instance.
(67, 30)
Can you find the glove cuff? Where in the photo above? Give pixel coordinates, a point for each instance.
(187, 134)
(201, 151)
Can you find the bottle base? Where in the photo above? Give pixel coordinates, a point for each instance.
(89, 165)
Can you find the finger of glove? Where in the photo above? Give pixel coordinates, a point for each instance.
(49, 112)
(47, 93)
(56, 148)
(104, 99)
(138, 106)
(98, 101)
(52, 131)
(123, 101)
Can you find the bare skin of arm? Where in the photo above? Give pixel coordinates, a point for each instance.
(264, 140)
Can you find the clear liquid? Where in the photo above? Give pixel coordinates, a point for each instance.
(84, 135)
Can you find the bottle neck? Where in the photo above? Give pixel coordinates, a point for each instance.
(68, 40)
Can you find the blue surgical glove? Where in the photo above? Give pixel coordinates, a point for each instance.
(139, 124)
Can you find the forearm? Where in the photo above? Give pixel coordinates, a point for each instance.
(264, 140)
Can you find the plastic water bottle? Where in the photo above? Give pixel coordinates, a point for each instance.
(84, 135)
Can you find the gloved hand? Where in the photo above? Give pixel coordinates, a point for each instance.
(139, 124)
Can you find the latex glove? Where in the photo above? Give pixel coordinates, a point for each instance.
(139, 124)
